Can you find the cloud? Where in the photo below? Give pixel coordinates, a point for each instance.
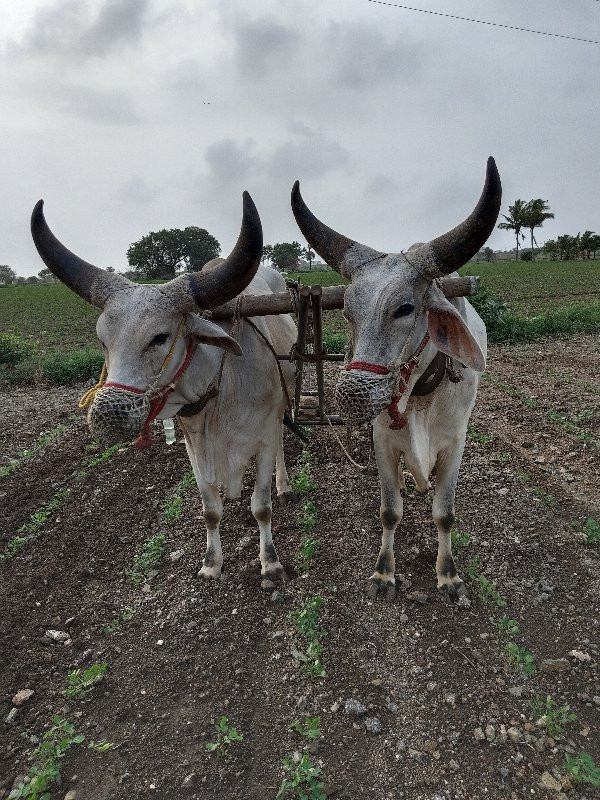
(263, 45)
(106, 107)
(69, 29)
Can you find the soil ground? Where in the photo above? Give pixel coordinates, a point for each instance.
(441, 711)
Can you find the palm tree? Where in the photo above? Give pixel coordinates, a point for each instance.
(534, 215)
(514, 221)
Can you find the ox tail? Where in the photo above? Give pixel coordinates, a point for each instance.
(294, 427)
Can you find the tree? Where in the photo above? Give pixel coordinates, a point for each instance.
(586, 243)
(308, 254)
(7, 274)
(47, 277)
(594, 244)
(161, 254)
(533, 215)
(267, 253)
(489, 254)
(286, 255)
(514, 221)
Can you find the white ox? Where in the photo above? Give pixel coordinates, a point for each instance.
(139, 327)
(396, 311)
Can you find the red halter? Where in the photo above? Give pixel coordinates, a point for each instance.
(406, 370)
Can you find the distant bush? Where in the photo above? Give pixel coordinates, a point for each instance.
(14, 349)
(77, 365)
(526, 255)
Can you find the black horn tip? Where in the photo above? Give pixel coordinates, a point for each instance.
(37, 215)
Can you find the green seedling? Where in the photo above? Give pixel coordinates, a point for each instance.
(302, 482)
(306, 552)
(303, 782)
(307, 728)
(554, 717)
(507, 626)
(571, 427)
(124, 616)
(523, 659)
(488, 590)
(226, 736)
(147, 558)
(583, 769)
(306, 621)
(459, 538)
(44, 774)
(101, 458)
(81, 683)
(39, 517)
(591, 529)
(42, 442)
(308, 516)
(549, 499)
(483, 438)
(172, 507)
(101, 747)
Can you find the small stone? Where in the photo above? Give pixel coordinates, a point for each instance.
(22, 696)
(11, 716)
(555, 665)
(503, 491)
(373, 725)
(516, 691)
(490, 733)
(597, 700)
(57, 636)
(503, 772)
(71, 795)
(354, 707)
(527, 445)
(479, 734)
(404, 618)
(453, 765)
(514, 734)
(418, 597)
(176, 555)
(463, 601)
(450, 699)
(276, 596)
(548, 781)
(578, 655)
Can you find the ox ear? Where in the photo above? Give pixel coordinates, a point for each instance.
(450, 334)
(209, 333)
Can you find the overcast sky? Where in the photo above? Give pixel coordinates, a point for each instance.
(133, 115)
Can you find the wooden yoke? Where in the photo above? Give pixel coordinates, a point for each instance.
(332, 297)
(309, 352)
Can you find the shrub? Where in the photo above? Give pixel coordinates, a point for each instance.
(77, 365)
(526, 255)
(14, 349)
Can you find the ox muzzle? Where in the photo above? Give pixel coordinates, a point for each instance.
(361, 395)
(118, 415)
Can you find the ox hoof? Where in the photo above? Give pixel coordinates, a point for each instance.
(455, 592)
(378, 586)
(272, 577)
(287, 497)
(210, 572)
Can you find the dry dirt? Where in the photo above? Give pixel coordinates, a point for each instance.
(433, 679)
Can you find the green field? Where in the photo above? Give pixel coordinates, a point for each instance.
(545, 298)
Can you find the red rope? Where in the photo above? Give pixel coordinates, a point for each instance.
(366, 367)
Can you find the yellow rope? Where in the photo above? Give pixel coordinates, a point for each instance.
(88, 398)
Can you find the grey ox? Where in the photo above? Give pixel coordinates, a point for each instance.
(419, 401)
(164, 358)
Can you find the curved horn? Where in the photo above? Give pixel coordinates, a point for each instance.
(225, 281)
(329, 244)
(92, 283)
(456, 247)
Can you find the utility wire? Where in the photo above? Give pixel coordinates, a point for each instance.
(484, 22)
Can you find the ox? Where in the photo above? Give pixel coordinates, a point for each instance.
(163, 358)
(418, 400)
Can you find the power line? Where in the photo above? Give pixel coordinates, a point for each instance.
(484, 22)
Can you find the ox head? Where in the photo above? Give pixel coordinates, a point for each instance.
(393, 300)
(140, 324)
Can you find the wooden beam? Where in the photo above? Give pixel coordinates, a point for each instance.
(261, 305)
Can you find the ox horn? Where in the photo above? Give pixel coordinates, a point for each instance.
(92, 283)
(455, 248)
(329, 244)
(227, 279)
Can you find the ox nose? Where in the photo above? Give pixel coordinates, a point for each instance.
(362, 396)
(117, 415)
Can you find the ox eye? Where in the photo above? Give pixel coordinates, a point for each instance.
(159, 339)
(404, 310)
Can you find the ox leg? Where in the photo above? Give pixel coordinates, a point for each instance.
(285, 493)
(382, 581)
(271, 569)
(212, 504)
(449, 582)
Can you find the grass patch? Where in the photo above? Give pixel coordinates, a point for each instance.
(583, 769)
(334, 341)
(72, 367)
(14, 348)
(303, 482)
(591, 528)
(101, 458)
(149, 555)
(459, 539)
(483, 438)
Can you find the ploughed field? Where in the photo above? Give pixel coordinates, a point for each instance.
(413, 699)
